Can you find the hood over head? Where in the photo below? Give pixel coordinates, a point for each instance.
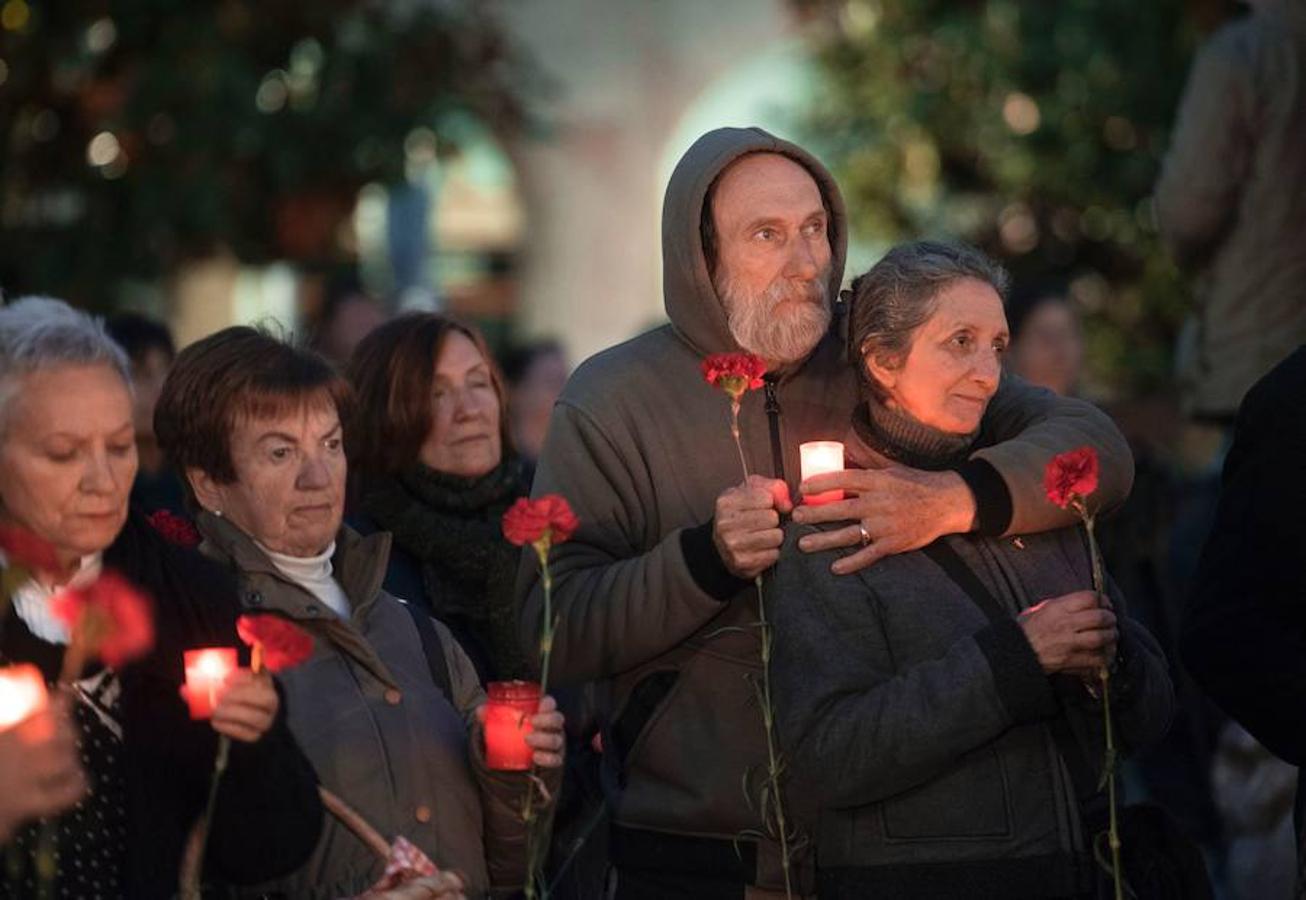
(691, 301)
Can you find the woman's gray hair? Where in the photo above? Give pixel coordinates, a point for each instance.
(40, 332)
(900, 292)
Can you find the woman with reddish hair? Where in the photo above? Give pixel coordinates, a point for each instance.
(434, 466)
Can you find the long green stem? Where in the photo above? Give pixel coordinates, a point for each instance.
(1113, 834)
(1104, 679)
(772, 753)
(768, 713)
(192, 867)
(535, 883)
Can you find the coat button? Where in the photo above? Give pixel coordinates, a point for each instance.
(392, 696)
(254, 598)
(422, 814)
(310, 610)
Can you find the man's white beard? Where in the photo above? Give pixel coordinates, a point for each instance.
(778, 339)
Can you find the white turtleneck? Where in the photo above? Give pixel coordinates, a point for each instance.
(32, 601)
(313, 574)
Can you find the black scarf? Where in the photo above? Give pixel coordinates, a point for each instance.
(451, 525)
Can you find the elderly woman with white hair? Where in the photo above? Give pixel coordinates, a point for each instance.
(67, 459)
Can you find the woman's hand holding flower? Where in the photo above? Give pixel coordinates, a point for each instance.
(246, 707)
(1071, 634)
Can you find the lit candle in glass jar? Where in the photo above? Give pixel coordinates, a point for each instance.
(206, 670)
(508, 709)
(22, 694)
(817, 458)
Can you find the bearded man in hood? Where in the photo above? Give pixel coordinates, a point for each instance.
(654, 592)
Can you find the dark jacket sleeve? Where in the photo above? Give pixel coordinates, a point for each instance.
(1244, 636)
(1023, 428)
(857, 730)
(618, 605)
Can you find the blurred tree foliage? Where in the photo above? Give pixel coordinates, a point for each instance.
(137, 134)
(1033, 129)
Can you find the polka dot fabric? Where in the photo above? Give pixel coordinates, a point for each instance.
(90, 840)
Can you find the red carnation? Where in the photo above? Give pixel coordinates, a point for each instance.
(174, 528)
(108, 618)
(284, 644)
(734, 373)
(544, 518)
(1071, 476)
(25, 549)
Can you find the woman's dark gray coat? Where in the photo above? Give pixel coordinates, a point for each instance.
(918, 731)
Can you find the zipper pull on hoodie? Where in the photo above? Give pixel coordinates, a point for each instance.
(773, 418)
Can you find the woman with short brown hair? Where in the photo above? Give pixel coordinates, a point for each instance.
(385, 708)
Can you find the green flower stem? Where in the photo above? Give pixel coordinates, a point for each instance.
(535, 883)
(1104, 679)
(193, 874)
(768, 710)
(1113, 833)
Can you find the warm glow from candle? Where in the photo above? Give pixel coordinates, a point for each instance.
(206, 670)
(22, 693)
(507, 722)
(817, 458)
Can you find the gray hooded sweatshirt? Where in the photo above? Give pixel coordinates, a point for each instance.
(640, 446)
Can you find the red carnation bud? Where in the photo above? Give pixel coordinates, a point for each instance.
(23, 548)
(111, 618)
(1071, 476)
(734, 373)
(284, 644)
(174, 528)
(528, 521)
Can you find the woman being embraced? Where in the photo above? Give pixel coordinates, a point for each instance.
(926, 732)
(67, 460)
(386, 707)
(434, 466)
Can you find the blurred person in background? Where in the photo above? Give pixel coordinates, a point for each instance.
(347, 315)
(536, 374)
(386, 708)
(1231, 204)
(67, 461)
(150, 349)
(1047, 340)
(433, 464)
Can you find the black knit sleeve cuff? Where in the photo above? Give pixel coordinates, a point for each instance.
(1025, 691)
(992, 496)
(705, 565)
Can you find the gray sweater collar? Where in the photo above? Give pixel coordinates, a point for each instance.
(896, 436)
